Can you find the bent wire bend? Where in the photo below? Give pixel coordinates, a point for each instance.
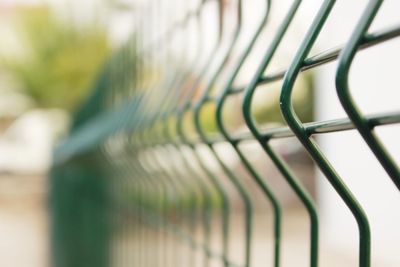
(362, 124)
(311, 146)
(168, 137)
(183, 136)
(245, 196)
(199, 193)
(145, 123)
(221, 100)
(276, 159)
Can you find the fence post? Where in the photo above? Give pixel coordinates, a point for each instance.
(80, 224)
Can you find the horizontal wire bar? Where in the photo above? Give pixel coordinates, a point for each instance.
(312, 128)
(329, 55)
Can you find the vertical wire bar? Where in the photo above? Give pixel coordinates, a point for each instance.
(175, 150)
(142, 125)
(184, 137)
(196, 202)
(144, 86)
(172, 96)
(201, 132)
(276, 159)
(345, 60)
(219, 118)
(310, 145)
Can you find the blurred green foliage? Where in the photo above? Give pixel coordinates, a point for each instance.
(265, 106)
(267, 109)
(60, 59)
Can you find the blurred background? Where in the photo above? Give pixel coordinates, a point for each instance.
(51, 53)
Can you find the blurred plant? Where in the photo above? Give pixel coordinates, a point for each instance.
(60, 60)
(266, 107)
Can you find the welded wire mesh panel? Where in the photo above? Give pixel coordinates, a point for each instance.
(177, 158)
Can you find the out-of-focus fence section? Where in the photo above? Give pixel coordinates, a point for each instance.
(146, 176)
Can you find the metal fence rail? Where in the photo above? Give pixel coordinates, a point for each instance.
(133, 165)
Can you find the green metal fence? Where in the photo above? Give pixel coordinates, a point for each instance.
(130, 186)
